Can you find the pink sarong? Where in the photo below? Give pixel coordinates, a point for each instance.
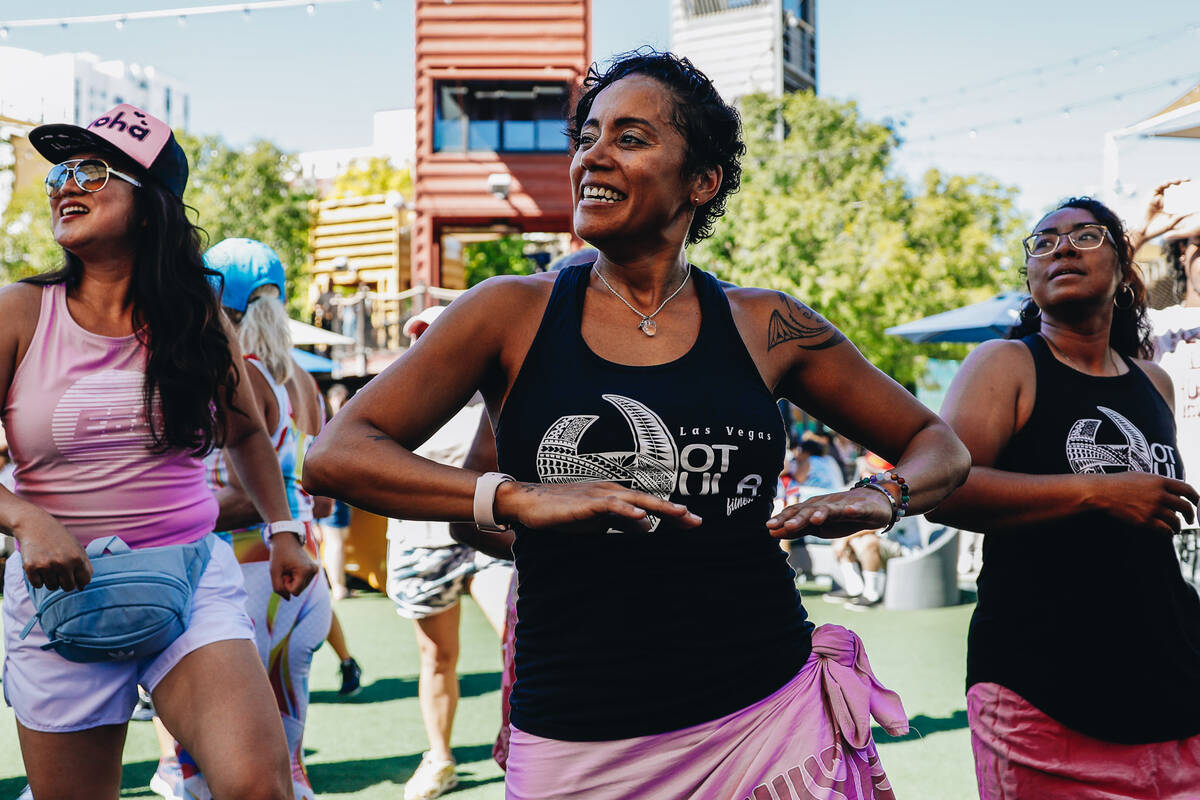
(1022, 754)
(810, 740)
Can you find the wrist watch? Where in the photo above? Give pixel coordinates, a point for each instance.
(286, 526)
(485, 502)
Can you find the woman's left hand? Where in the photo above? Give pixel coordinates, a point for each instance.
(831, 516)
(292, 568)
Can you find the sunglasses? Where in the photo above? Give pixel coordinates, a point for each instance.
(91, 175)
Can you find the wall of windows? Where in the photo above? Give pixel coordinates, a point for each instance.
(499, 116)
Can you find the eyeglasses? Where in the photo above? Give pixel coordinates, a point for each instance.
(1085, 237)
(91, 175)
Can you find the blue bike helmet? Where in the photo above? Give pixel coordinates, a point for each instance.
(245, 264)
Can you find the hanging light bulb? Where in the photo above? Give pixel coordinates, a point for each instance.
(120, 24)
(182, 20)
(3, 31)
(377, 4)
(246, 14)
(971, 134)
(311, 8)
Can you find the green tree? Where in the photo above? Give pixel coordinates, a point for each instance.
(27, 244)
(376, 176)
(252, 193)
(502, 256)
(821, 216)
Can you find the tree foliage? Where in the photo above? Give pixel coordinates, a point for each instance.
(232, 193)
(252, 193)
(27, 244)
(821, 216)
(376, 175)
(502, 256)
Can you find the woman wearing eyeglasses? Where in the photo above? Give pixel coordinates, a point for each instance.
(1083, 657)
(117, 376)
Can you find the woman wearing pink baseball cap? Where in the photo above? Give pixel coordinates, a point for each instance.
(117, 375)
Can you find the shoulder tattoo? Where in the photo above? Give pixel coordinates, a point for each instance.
(796, 322)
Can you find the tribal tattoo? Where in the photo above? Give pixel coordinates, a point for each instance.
(800, 324)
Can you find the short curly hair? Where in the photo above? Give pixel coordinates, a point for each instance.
(711, 127)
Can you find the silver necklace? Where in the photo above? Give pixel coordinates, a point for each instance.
(1112, 361)
(647, 326)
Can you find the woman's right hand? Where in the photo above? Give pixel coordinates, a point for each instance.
(1145, 499)
(1157, 220)
(51, 555)
(586, 507)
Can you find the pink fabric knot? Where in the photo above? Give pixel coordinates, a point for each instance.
(854, 693)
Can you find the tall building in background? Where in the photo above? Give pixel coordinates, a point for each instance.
(492, 81)
(749, 46)
(78, 87)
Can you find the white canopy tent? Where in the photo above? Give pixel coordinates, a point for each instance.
(1179, 120)
(303, 334)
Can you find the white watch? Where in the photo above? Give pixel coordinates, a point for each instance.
(286, 526)
(485, 502)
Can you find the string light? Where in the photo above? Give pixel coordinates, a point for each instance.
(3, 32)
(182, 20)
(119, 19)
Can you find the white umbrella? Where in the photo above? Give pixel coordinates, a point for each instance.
(303, 333)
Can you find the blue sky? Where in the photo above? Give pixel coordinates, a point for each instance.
(311, 82)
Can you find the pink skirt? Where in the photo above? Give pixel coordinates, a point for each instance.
(810, 740)
(1022, 754)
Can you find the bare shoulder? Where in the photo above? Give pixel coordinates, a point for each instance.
(788, 321)
(20, 305)
(507, 296)
(1001, 354)
(1159, 377)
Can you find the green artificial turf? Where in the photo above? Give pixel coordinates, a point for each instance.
(367, 747)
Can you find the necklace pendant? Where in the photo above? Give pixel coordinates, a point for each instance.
(648, 326)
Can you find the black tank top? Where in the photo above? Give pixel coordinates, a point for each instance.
(1087, 618)
(623, 635)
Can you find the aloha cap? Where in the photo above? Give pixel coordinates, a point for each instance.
(417, 324)
(246, 265)
(127, 130)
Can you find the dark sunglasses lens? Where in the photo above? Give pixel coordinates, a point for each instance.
(55, 179)
(91, 175)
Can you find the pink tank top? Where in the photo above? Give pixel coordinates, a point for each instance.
(79, 436)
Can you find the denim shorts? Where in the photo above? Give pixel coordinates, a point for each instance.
(51, 694)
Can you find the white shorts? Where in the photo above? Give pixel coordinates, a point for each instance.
(51, 694)
(423, 581)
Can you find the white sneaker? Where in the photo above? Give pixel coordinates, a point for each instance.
(432, 779)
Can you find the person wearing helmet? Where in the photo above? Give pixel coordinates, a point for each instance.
(117, 375)
(250, 282)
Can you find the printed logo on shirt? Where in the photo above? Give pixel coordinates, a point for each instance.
(656, 465)
(1086, 455)
(102, 419)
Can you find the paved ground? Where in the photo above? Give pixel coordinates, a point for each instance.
(366, 748)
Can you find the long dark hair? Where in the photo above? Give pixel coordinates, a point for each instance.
(711, 127)
(178, 320)
(1130, 331)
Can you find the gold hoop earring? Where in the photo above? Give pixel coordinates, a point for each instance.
(1128, 292)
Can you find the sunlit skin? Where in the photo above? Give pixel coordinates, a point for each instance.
(105, 229)
(1191, 267)
(1074, 289)
(628, 144)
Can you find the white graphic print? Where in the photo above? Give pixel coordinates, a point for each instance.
(102, 419)
(650, 467)
(1086, 455)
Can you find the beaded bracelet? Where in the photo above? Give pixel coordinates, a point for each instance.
(874, 481)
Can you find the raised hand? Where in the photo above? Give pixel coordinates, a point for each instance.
(831, 516)
(1145, 499)
(587, 507)
(1157, 220)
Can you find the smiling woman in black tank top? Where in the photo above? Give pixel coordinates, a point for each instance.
(662, 649)
(1083, 658)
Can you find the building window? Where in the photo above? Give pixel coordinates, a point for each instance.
(498, 117)
(801, 9)
(699, 8)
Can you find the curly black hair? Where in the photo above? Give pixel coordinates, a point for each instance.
(711, 127)
(1130, 332)
(1173, 250)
